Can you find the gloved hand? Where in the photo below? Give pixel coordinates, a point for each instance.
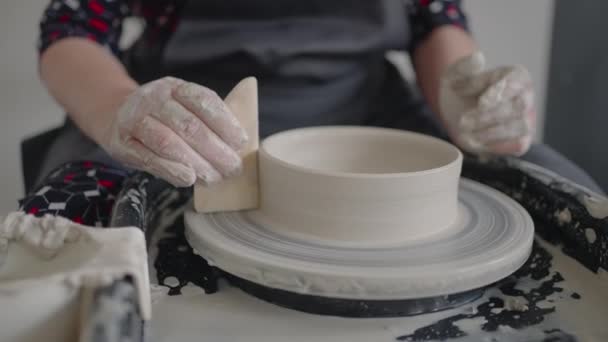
(178, 131)
(488, 111)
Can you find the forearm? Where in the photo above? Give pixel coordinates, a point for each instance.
(444, 46)
(87, 81)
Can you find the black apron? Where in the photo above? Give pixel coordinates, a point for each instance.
(318, 62)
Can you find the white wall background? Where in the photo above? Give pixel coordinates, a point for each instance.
(25, 108)
(514, 31)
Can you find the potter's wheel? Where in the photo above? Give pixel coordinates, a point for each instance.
(493, 238)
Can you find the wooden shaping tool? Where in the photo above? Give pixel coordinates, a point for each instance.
(241, 192)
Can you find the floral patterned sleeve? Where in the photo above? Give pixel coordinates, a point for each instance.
(101, 20)
(426, 15)
(98, 20)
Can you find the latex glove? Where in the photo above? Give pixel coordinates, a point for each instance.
(178, 131)
(488, 111)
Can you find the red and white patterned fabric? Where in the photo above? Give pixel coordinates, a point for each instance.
(101, 20)
(82, 191)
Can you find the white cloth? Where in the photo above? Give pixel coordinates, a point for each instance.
(58, 255)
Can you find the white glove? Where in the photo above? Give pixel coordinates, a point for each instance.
(488, 111)
(178, 131)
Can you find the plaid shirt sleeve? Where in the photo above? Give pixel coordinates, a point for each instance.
(426, 15)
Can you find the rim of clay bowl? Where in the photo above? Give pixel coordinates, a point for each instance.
(272, 139)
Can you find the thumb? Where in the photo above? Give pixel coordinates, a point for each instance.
(466, 76)
(466, 66)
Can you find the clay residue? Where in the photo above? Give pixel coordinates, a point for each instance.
(563, 216)
(590, 235)
(44, 236)
(596, 206)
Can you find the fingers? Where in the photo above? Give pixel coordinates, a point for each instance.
(513, 138)
(200, 138)
(133, 153)
(508, 131)
(466, 76)
(510, 83)
(491, 110)
(165, 143)
(210, 108)
(178, 131)
(511, 109)
(515, 148)
(154, 132)
(505, 129)
(155, 93)
(466, 67)
(147, 99)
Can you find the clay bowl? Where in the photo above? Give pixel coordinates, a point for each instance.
(357, 186)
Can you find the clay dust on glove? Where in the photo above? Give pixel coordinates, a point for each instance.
(177, 130)
(488, 111)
